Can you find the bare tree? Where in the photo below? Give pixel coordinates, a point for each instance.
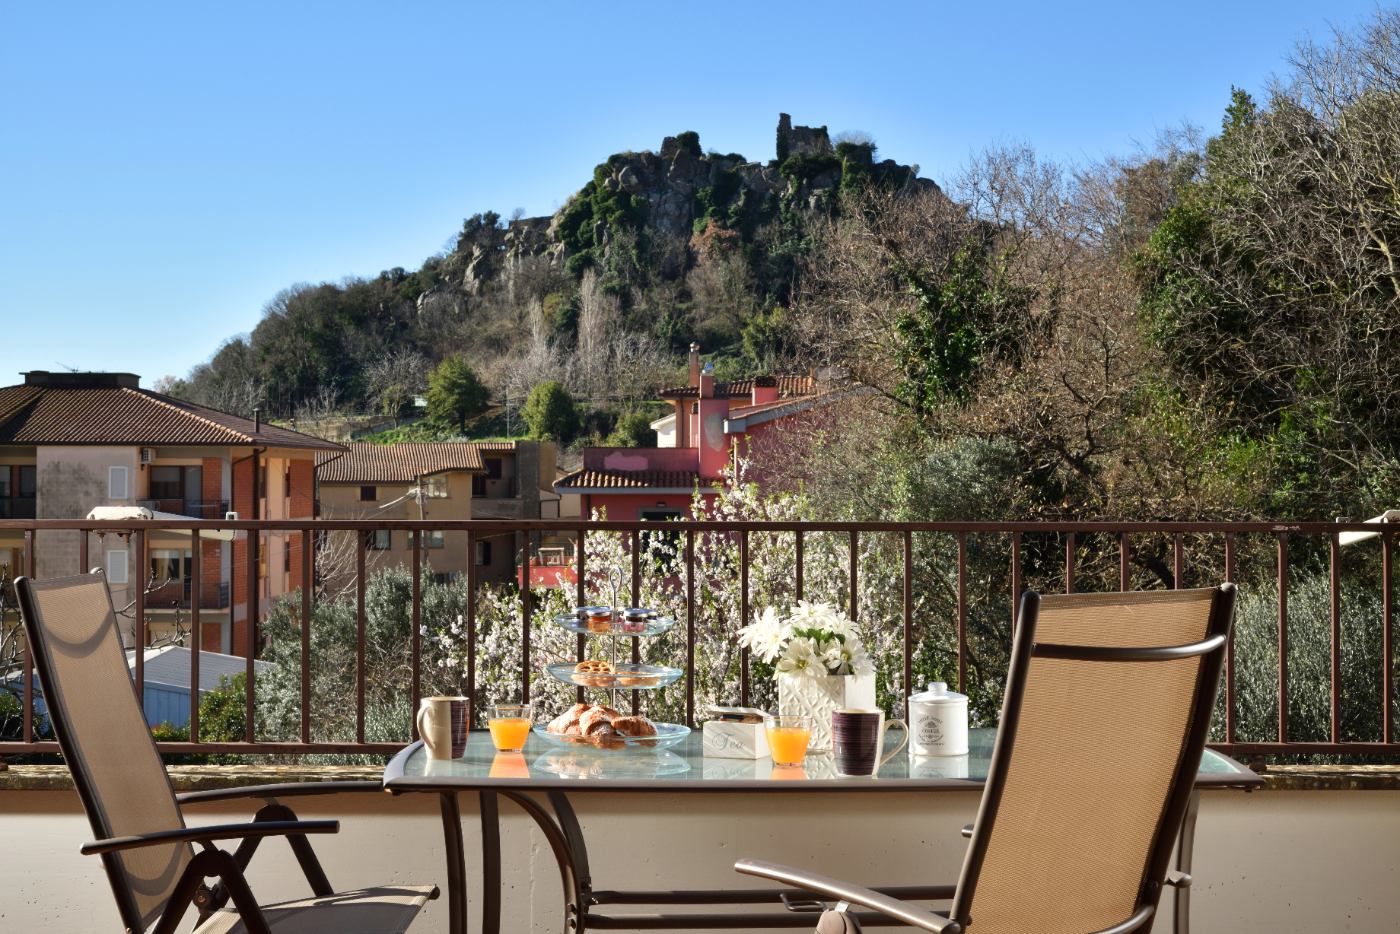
(394, 378)
(599, 316)
(319, 406)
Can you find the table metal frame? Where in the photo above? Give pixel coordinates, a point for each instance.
(557, 821)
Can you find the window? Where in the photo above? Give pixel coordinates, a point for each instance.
(287, 557)
(380, 540)
(180, 487)
(287, 481)
(368, 494)
(116, 565)
(478, 485)
(435, 487)
(493, 468)
(165, 483)
(17, 491)
(444, 577)
(170, 571)
(436, 539)
(117, 483)
(660, 515)
(483, 554)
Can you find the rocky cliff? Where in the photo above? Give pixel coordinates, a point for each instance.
(676, 191)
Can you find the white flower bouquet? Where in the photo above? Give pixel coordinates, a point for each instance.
(813, 640)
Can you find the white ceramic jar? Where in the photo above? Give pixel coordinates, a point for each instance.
(938, 722)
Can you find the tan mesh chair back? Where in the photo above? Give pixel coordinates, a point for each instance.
(97, 717)
(1101, 735)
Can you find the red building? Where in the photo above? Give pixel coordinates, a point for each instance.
(713, 425)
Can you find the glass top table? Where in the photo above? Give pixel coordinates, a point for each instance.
(544, 765)
(541, 778)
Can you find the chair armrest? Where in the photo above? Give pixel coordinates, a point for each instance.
(1178, 879)
(907, 912)
(270, 828)
(280, 790)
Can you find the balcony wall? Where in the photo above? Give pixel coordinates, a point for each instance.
(640, 459)
(1268, 861)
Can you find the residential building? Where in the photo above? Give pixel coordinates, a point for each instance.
(74, 442)
(712, 426)
(458, 481)
(402, 481)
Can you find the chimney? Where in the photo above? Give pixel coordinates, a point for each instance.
(694, 365)
(765, 389)
(257, 419)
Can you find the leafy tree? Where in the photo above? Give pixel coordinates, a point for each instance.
(1272, 282)
(767, 338)
(953, 326)
(455, 393)
(550, 412)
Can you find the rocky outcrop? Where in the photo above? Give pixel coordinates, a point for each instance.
(678, 184)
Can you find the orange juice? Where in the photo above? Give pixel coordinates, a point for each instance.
(508, 733)
(788, 744)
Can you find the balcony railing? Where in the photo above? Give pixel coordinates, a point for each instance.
(974, 571)
(180, 595)
(195, 509)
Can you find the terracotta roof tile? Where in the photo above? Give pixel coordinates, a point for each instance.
(628, 480)
(787, 386)
(122, 415)
(398, 463)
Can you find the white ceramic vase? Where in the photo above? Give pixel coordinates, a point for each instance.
(818, 698)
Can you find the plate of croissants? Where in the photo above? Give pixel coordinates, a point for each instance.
(604, 727)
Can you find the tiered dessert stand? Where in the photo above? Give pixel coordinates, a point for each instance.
(613, 622)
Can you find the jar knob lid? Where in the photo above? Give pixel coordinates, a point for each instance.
(938, 688)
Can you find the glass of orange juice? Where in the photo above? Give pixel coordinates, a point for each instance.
(510, 725)
(788, 738)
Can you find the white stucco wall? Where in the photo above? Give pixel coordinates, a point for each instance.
(1268, 861)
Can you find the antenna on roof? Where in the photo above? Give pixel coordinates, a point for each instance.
(70, 369)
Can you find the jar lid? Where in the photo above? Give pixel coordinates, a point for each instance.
(938, 693)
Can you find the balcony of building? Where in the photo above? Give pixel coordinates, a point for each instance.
(1308, 699)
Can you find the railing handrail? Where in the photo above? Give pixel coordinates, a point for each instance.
(1171, 568)
(1107, 527)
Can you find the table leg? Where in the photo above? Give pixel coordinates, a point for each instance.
(576, 893)
(1185, 843)
(456, 863)
(490, 864)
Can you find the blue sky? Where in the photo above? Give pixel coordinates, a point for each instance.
(167, 168)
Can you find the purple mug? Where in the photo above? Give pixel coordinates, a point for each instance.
(857, 738)
(443, 723)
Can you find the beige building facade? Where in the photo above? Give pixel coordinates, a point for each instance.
(74, 442)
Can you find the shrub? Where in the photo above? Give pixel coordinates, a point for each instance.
(1309, 662)
(633, 430)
